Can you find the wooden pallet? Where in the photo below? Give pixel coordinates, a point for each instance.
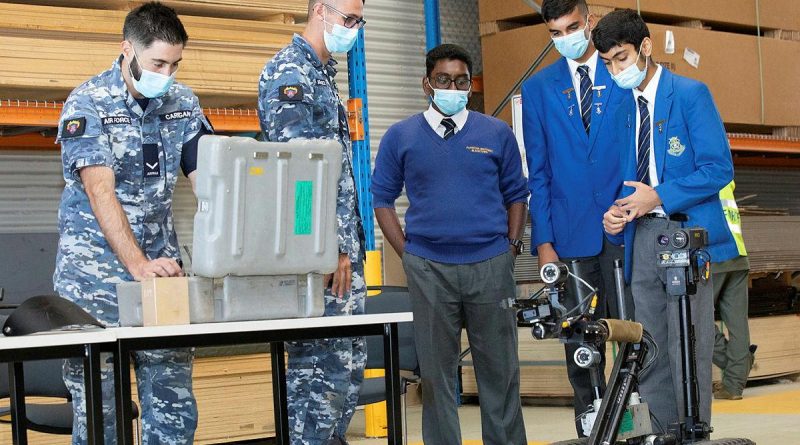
(543, 372)
(778, 351)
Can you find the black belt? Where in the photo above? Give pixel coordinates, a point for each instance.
(676, 217)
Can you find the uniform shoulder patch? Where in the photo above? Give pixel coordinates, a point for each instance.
(73, 127)
(290, 93)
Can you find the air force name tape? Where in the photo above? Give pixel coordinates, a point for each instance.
(183, 114)
(116, 120)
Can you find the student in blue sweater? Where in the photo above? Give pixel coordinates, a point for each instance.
(467, 196)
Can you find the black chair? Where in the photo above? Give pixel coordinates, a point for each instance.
(43, 378)
(373, 390)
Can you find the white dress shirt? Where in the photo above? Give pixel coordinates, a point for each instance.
(434, 119)
(576, 76)
(649, 94)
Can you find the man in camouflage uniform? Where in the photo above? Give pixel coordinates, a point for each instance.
(298, 98)
(123, 135)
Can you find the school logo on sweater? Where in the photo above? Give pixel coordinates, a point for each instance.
(675, 146)
(481, 150)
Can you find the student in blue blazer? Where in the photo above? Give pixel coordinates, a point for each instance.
(678, 160)
(574, 158)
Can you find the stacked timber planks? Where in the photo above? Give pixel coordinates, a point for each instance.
(268, 10)
(46, 51)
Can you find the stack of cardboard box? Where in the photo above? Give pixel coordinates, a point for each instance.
(733, 61)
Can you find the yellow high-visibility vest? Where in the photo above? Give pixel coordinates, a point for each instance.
(732, 216)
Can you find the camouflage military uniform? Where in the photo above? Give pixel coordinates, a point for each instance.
(298, 98)
(102, 124)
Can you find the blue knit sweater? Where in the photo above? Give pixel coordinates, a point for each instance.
(458, 190)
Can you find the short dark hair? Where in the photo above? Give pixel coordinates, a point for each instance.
(311, 4)
(555, 9)
(447, 51)
(618, 28)
(154, 21)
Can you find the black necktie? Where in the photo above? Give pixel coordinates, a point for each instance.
(586, 97)
(449, 128)
(643, 148)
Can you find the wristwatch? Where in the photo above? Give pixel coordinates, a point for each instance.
(518, 244)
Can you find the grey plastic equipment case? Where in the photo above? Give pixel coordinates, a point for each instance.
(266, 208)
(236, 298)
(264, 231)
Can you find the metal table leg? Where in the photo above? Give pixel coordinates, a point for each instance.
(391, 355)
(279, 401)
(122, 381)
(93, 395)
(19, 419)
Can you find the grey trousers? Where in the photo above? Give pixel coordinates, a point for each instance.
(444, 298)
(599, 272)
(661, 385)
(732, 354)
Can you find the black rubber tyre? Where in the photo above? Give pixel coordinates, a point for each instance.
(571, 442)
(582, 441)
(727, 441)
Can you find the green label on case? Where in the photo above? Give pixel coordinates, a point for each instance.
(303, 192)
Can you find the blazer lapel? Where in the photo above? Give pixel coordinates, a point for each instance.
(661, 119)
(603, 88)
(569, 97)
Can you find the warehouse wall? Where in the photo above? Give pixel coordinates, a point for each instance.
(459, 25)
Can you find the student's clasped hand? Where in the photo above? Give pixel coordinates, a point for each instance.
(643, 200)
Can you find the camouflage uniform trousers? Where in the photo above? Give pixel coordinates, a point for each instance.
(164, 382)
(323, 377)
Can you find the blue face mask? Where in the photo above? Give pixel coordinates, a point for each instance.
(151, 84)
(340, 39)
(631, 77)
(572, 46)
(450, 102)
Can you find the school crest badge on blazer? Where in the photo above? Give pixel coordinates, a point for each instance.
(676, 148)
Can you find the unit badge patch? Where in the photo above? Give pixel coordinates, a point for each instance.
(73, 127)
(290, 93)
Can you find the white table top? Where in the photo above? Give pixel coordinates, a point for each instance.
(58, 338)
(110, 335)
(261, 325)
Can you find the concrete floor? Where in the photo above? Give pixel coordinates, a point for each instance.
(769, 414)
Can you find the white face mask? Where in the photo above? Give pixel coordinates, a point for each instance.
(631, 77)
(573, 46)
(150, 84)
(341, 39)
(448, 101)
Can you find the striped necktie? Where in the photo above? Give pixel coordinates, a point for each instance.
(586, 97)
(643, 148)
(449, 128)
